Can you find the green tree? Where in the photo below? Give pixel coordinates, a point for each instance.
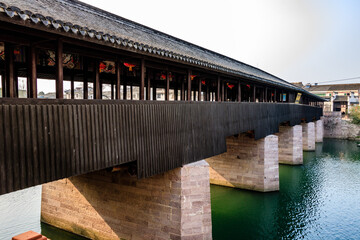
(355, 115)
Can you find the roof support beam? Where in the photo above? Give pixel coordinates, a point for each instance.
(254, 94)
(148, 85)
(239, 92)
(59, 70)
(218, 98)
(199, 95)
(85, 77)
(167, 89)
(118, 79)
(97, 87)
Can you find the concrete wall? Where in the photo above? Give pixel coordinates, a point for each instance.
(247, 164)
(308, 130)
(290, 145)
(104, 205)
(336, 127)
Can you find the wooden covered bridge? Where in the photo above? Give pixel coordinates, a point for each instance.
(84, 90)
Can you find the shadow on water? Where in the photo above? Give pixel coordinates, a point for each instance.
(317, 200)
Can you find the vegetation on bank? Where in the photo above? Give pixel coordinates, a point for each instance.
(355, 115)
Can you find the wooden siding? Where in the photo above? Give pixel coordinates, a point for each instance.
(47, 140)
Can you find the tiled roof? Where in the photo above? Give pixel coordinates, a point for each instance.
(79, 18)
(335, 87)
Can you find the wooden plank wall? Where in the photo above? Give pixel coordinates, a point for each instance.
(46, 140)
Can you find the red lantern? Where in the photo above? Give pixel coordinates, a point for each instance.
(162, 77)
(230, 85)
(130, 66)
(102, 67)
(192, 77)
(203, 82)
(248, 86)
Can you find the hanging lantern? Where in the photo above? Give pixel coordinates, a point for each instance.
(162, 77)
(192, 77)
(130, 66)
(248, 85)
(102, 67)
(272, 94)
(203, 82)
(230, 85)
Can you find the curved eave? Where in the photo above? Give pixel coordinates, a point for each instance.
(127, 44)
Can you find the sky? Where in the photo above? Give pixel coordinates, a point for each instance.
(309, 41)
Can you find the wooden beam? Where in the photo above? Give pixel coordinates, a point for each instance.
(154, 90)
(266, 94)
(59, 70)
(85, 77)
(254, 94)
(275, 99)
(167, 89)
(10, 71)
(118, 79)
(148, 85)
(199, 91)
(131, 91)
(218, 98)
(97, 87)
(72, 85)
(207, 92)
(223, 90)
(239, 92)
(182, 92)
(124, 87)
(142, 80)
(3, 86)
(32, 74)
(189, 85)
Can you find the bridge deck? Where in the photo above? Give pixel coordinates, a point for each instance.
(46, 140)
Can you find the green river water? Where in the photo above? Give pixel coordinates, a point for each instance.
(318, 200)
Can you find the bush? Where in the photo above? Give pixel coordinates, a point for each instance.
(355, 115)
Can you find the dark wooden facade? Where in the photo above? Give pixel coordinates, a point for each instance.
(46, 140)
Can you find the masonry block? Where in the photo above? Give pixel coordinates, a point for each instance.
(290, 145)
(319, 130)
(308, 130)
(247, 164)
(105, 205)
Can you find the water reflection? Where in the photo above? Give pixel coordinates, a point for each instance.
(318, 200)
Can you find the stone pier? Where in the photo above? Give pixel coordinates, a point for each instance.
(308, 130)
(248, 164)
(290, 145)
(319, 130)
(105, 205)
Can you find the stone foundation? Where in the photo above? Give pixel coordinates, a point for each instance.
(104, 205)
(308, 130)
(319, 131)
(290, 145)
(337, 127)
(247, 164)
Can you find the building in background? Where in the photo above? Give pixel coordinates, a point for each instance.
(340, 97)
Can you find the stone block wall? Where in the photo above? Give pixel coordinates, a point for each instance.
(336, 127)
(290, 145)
(308, 130)
(248, 164)
(319, 130)
(105, 205)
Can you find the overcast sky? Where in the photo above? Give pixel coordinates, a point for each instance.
(297, 40)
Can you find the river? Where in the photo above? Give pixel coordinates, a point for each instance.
(317, 200)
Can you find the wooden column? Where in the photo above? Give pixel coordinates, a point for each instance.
(148, 85)
(72, 91)
(282, 96)
(59, 70)
(218, 98)
(97, 87)
(176, 90)
(142, 80)
(239, 92)
(154, 90)
(266, 95)
(124, 88)
(131, 91)
(3, 86)
(189, 85)
(275, 99)
(222, 91)
(254, 94)
(167, 88)
(199, 95)
(207, 92)
(118, 79)
(32, 74)
(112, 90)
(85, 77)
(10, 71)
(182, 92)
